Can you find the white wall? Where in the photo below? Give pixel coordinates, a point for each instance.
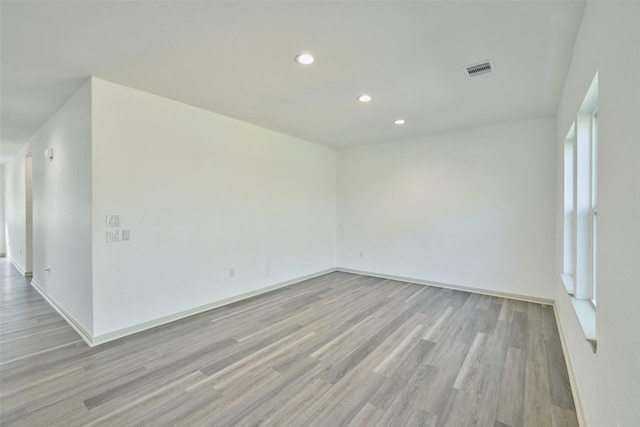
(28, 187)
(3, 246)
(608, 381)
(61, 208)
(472, 208)
(15, 210)
(201, 194)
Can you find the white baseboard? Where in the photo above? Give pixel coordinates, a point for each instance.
(121, 333)
(84, 334)
(526, 298)
(573, 378)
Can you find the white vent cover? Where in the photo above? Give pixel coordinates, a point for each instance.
(483, 67)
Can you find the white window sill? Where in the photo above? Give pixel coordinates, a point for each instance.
(567, 281)
(586, 313)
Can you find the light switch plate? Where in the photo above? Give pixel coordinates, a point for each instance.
(113, 236)
(113, 220)
(125, 234)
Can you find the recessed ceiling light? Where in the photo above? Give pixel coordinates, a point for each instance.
(400, 121)
(305, 59)
(364, 98)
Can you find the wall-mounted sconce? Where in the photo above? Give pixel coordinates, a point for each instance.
(48, 153)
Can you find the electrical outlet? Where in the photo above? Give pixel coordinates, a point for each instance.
(361, 254)
(113, 236)
(126, 234)
(232, 272)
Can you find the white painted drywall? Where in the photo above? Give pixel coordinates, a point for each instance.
(201, 194)
(472, 208)
(61, 208)
(608, 382)
(3, 245)
(15, 210)
(28, 188)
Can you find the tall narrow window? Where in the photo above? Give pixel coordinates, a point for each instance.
(594, 205)
(585, 196)
(569, 250)
(580, 248)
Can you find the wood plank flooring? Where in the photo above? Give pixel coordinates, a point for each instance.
(337, 350)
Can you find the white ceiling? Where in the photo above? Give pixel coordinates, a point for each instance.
(236, 58)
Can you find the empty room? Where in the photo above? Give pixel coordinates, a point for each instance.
(320, 213)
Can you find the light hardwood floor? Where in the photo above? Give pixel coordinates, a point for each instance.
(337, 350)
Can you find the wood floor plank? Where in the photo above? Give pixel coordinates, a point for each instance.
(420, 418)
(369, 415)
(562, 417)
(519, 337)
(537, 400)
(448, 358)
(367, 347)
(339, 406)
(396, 382)
(130, 411)
(393, 357)
(340, 349)
(466, 375)
(435, 330)
(559, 385)
(298, 402)
(400, 410)
(511, 401)
(263, 402)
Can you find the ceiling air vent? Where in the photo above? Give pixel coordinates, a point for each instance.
(479, 68)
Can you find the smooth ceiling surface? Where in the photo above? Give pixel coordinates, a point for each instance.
(237, 59)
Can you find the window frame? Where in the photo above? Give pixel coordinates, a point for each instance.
(580, 211)
(594, 206)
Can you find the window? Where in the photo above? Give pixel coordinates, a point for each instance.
(594, 205)
(580, 247)
(569, 211)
